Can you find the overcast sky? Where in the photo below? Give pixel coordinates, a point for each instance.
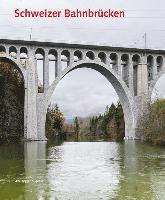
(84, 92)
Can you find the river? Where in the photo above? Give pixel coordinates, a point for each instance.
(82, 170)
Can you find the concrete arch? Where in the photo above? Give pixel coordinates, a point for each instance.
(126, 99)
(40, 51)
(90, 55)
(65, 59)
(159, 63)
(52, 52)
(13, 51)
(113, 56)
(78, 55)
(102, 56)
(2, 49)
(24, 50)
(136, 58)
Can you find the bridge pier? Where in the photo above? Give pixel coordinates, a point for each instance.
(30, 110)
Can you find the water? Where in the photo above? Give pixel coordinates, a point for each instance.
(82, 170)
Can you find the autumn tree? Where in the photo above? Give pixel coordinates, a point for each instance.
(54, 121)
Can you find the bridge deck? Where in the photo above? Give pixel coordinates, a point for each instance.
(82, 46)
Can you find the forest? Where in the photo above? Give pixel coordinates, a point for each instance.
(109, 125)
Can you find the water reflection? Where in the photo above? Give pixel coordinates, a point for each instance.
(137, 171)
(87, 170)
(84, 170)
(11, 169)
(35, 170)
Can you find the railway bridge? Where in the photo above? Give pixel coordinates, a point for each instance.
(132, 72)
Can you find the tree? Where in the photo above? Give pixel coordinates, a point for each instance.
(76, 125)
(110, 123)
(58, 120)
(54, 121)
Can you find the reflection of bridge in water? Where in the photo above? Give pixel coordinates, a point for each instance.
(132, 72)
(104, 170)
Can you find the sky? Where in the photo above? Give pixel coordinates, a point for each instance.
(85, 92)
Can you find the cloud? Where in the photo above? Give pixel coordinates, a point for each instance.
(84, 92)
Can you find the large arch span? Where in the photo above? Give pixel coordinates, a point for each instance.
(125, 97)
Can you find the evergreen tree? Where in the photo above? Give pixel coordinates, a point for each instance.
(76, 125)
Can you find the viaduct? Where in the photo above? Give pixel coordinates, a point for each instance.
(132, 72)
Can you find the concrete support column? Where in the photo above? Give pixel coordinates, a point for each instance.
(59, 65)
(142, 79)
(131, 85)
(7, 51)
(31, 101)
(120, 66)
(46, 71)
(154, 68)
(83, 55)
(107, 60)
(18, 54)
(142, 87)
(71, 58)
(41, 116)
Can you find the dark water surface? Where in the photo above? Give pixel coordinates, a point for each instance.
(82, 170)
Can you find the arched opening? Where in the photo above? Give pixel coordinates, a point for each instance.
(40, 57)
(125, 68)
(52, 55)
(150, 62)
(114, 61)
(11, 101)
(102, 57)
(13, 52)
(121, 90)
(136, 61)
(159, 61)
(77, 56)
(74, 99)
(2, 50)
(23, 55)
(90, 55)
(65, 56)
